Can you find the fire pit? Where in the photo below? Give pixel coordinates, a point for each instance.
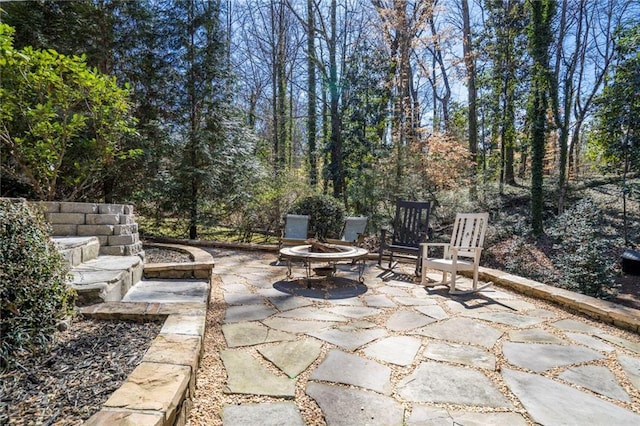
(330, 253)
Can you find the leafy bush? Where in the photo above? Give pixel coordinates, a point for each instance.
(33, 282)
(326, 215)
(581, 250)
(523, 258)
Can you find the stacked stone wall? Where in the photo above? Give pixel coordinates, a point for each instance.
(113, 224)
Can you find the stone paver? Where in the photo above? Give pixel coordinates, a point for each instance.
(349, 340)
(434, 416)
(398, 354)
(248, 313)
(549, 402)
(247, 376)
(252, 333)
(598, 379)
(540, 357)
(349, 369)
(441, 383)
(460, 354)
(590, 341)
(533, 335)
(292, 357)
(462, 330)
(347, 406)
(407, 320)
(631, 367)
(399, 350)
(263, 414)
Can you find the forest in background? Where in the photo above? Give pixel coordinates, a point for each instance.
(209, 113)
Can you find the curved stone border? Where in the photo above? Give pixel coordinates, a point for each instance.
(601, 310)
(200, 267)
(160, 389)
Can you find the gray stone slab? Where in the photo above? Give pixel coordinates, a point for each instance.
(247, 313)
(517, 305)
(243, 299)
(623, 343)
(393, 291)
(354, 311)
(292, 357)
(168, 291)
(541, 313)
(349, 340)
(552, 403)
(541, 357)
(435, 311)
(440, 383)
(110, 263)
(349, 369)
(356, 325)
(598, 379)
(462, 330)
(245, 375)
(415, 301)
(288, 302)
(252, 333)
(407, 320)
(574, 325)
(297, 326)
(534, 335)
(460, 354)
(191, 325)
(422, 415)
(343, 406)
(312, 314)
(590, 341)
(379, 301)
(272, 292)
(463, 306)
(262, 414)
(631, 367)
(507, 318)
(399, 350)
(87, 277)
(234, 288)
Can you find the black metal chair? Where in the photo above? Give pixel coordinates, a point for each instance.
(410, 229)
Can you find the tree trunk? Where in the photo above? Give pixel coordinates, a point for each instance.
(470, 64)
(311, 105)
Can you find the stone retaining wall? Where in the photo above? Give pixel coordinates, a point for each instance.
(113, 224)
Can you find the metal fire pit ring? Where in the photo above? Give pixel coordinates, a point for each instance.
(343, 253)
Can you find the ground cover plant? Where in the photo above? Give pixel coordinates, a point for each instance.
(34, 293)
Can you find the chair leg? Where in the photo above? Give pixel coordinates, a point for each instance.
(452, 285)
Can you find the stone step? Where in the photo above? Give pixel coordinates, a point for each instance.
(77, 250)
(106, 278)
(169, 291)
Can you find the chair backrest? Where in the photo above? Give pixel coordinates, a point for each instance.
(411, 224)
(296, 226)
(468, 231)
(354, 226)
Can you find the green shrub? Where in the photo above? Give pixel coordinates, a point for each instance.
(326, 215)
(581, 250)
(33, 282)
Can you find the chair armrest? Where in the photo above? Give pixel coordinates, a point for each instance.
(425, 247)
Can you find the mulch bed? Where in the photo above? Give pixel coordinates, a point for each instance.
(86, 364)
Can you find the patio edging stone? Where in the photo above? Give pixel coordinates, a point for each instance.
(160, 389)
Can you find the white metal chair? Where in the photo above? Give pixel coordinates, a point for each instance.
(352, 231)
(296, 229)
(461, 254)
